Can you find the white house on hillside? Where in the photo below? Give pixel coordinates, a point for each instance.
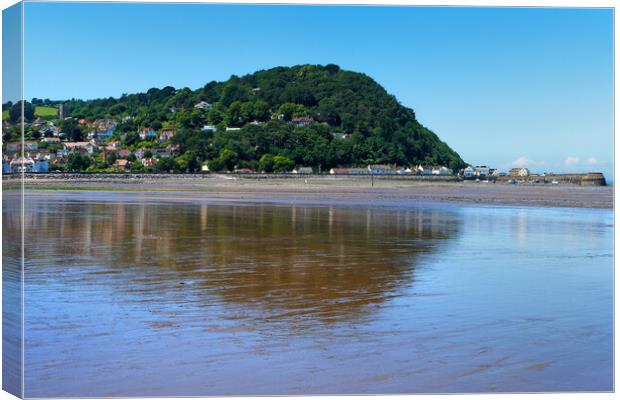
(203, 105)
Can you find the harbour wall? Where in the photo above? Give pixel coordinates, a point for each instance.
(588, 179)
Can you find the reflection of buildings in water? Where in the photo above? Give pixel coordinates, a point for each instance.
(328, 263)
(203, 217)
(12, 338)
(521, 231)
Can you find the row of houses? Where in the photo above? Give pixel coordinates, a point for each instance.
(163, 136)
(27, 163)
(17, 147)
(86, 147)
(99, 129)
(123, 163)
(40, 162)
(375, 169)
(482, 172)
(40, 124)
(439, 170)
(102, 128)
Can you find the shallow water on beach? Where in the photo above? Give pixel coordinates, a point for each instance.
(126, 298)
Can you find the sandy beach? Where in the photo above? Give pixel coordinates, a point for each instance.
(324, 190)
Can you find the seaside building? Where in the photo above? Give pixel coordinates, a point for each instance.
(149, 162)
(339, 171)
(41, 164)
(424, 169)
(122, 163)
(302, 170)
(469, 172)
(25, 164)
(379, 169)
(441, 170)
(481, 171)
(519, 172)
(6, 166)
(22, 164)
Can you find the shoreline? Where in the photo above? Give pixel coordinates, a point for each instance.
(323, 190)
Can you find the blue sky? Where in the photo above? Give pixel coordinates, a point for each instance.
(502, 86)
(11, 52)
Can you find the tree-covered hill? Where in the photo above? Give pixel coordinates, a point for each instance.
(311, 115)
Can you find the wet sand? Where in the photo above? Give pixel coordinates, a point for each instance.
(147, 293)
(330, 190)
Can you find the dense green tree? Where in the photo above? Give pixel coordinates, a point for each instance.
(72, 129)
(290, 110)
(216, 165)
(265, 164)
(283, 164)
(15, 112)
(77, 162)
(260, 110)
(229, 158)
(131, 138)
(111, 158)
(168, 164)
(216, 116)
(137, 167)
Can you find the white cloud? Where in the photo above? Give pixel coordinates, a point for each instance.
(571, 160)
(523, 161)
(592, 161)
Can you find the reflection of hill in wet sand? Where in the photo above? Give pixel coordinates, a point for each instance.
(11, 293)
(270, 262)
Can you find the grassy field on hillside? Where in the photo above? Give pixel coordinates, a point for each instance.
(40, 111)
(43, 111)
